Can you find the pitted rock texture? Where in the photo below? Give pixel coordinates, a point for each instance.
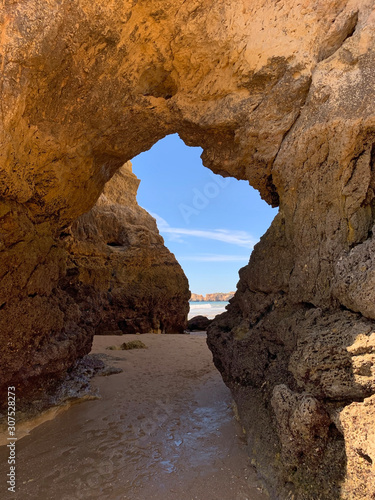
(357, 421)
(278, 93)
(293, 321)
(121, 270)
(303, 425)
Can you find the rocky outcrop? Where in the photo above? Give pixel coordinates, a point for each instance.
(218, 297)
(120, 269)
(278, 93)
(212, 297)
(297, 338)
(109, 273)
(196, 298)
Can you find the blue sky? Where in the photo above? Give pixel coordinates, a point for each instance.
(210, 223)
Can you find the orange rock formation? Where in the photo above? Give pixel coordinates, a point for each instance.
(278, 93)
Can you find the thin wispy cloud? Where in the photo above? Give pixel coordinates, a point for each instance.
(215, 258)
(238, 238)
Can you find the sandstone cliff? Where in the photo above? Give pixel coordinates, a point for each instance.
(196, 298)
(278, 93)
(211, 297)
(119, 268)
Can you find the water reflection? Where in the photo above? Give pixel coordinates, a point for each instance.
(163, 430)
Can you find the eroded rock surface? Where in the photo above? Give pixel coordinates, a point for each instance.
(119, 268)
(278, 93)
(292, 331)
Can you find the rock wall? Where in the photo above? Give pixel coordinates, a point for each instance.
(298, 336)
(278, 93)
(119, 268)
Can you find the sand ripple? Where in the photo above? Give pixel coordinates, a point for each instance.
(163, 430)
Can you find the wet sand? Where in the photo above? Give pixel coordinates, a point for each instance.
(163, 430)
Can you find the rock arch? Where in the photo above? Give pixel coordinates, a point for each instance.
(278, 93)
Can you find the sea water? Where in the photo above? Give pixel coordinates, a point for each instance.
(208, 309)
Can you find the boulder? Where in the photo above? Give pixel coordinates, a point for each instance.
(199, 323)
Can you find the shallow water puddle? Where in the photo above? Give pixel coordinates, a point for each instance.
(163, 430)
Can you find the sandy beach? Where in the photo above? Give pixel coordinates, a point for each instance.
(164, 429)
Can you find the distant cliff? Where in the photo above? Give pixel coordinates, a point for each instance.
(211, 297)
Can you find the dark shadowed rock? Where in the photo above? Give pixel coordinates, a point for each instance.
(200, 323)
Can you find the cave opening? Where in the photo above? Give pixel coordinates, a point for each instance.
(210, 223)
